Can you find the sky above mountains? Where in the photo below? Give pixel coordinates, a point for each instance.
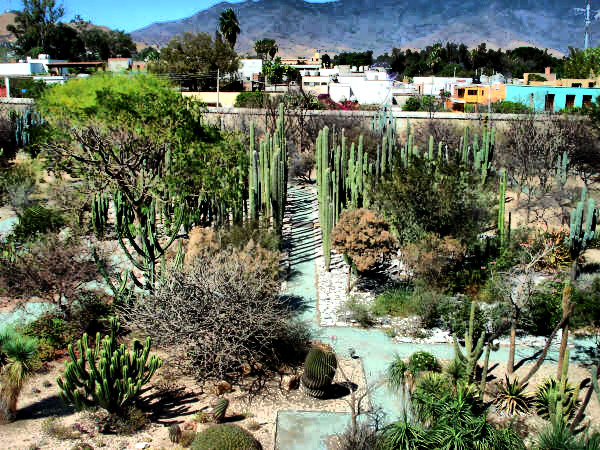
(130, 15)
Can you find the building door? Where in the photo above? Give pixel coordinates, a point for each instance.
(587, 100)
(549, 105)
(570, 103)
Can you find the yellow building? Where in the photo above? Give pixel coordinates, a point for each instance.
(475, 94)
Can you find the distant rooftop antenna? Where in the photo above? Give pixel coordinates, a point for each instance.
(588, 20)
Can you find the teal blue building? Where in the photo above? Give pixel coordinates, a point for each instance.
(551, 98)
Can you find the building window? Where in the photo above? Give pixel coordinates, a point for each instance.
(472, 92)
(549, 104)
(461, 93)
(570, 101)
(576, 85)
(482, 93)
(587, 100)
(323, 83)
(591, 84)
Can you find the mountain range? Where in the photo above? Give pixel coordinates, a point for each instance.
(301, 27)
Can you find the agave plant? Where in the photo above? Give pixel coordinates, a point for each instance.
(20, 352)
(511, 397)
(547, 397)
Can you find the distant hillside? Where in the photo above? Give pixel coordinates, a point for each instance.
(300, 27)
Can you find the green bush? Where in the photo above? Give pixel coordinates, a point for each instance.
(394, 302)
(420, 362)
(51, 330)
(36, 220)
(455, 315)
(508, 107)
(544, 310)
(587, 306)
(412, 104)
(427, 302)
(225, 437)
(250, 100)
(358, 311)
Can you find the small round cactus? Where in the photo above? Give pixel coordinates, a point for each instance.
(220, 409)
(225, 437)
(319, 369)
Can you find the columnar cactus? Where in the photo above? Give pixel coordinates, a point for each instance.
(107, 375)
(501, 207)
(562, 170)
(473, 350)
(319, 369)
(99, 214)
(581, 233)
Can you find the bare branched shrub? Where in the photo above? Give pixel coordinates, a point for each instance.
(55, 270)
(220, 315)
(444, 131)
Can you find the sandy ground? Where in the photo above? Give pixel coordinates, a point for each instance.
(39, 400)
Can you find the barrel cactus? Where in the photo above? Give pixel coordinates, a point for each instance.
(174, 433)
(319, 369)
(225, 437)
(220, 409)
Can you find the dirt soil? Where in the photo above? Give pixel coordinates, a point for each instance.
(172, 399)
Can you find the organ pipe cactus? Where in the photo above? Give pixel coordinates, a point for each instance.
(562, 170)
(107, 375)
(319, 369)
(473, 350)
(582, 231)
(99, 214)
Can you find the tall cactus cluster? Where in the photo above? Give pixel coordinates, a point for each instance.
(473, 349)
(268, 175)
(482, 152)
(143, 236)
(107, 375)
(583, 224)
(99, 213)
(342, 181)
(562, 169)
(24, 122)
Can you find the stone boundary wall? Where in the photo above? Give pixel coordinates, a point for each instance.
(239, 118)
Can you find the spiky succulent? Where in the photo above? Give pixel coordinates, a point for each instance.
(511, 397)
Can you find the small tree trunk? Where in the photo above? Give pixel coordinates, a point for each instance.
(510, 365)
(566, 302)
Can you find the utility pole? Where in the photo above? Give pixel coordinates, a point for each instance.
(218, 76)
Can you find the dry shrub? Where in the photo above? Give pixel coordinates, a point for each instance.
(433, 258)
(442, 131)
(221, 314)
(202, 242)
(55, 270)
(364, 237)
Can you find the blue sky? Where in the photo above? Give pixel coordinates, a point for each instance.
(129, 15)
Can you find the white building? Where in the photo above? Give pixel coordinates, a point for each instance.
(248, 67)
(435, 85)
(30, 66)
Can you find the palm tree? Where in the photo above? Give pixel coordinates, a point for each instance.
(20, 352)
(229, 26)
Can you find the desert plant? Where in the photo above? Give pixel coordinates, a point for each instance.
(473, 350)
(397, 373)
(511, 397)
(36, 219)
(220, 409)
(548, 398)
(420, 362)
(319, 369)
(559, 436)
(174, 433)
(225, 437)
(220, 314)
(20, 353)
(187, 438)
(115, 375)
(435, 384)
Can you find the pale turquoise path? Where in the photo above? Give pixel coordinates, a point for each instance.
(308, 430)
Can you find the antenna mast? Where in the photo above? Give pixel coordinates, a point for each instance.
(588, 21)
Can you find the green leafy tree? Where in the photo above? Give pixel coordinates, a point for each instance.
(149, 54)
(141, 143)
(35, 25)
(266, 47)
(229, 26)
(326, 61)
(582, 63)
(197, 57)
(274, 71)
(101, 45)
